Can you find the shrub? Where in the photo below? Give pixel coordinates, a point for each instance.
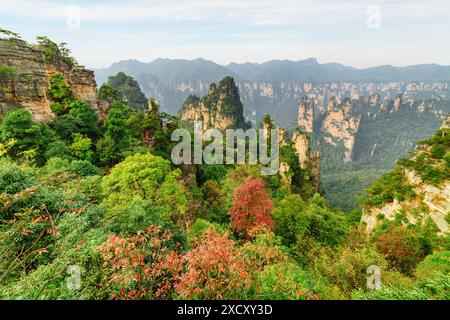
(83, 168)
(57, 149)
(284, 281)
(434, 264)
(345, 268)
(143, 266)
(402, 249)
(13, 178)
(215, 269)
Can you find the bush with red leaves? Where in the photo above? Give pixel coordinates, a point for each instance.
(251, 208)
(143, 266)
(402, 248)
(215, 269)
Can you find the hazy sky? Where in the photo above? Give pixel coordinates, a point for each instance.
(358, 33)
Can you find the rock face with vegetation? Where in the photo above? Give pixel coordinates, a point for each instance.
(417, 190)
(221, 108)
(129, 90)
(26, 71)
(361, 138)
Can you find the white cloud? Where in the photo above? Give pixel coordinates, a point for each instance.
(254, 12)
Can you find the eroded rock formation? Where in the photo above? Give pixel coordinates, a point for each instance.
(221, 108)
(26, 85)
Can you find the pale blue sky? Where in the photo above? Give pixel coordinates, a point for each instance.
(411, 32)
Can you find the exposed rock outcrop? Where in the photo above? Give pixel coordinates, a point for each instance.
(341, 124)
(27, 85)
(221, 108)
(306, 115)
(430, 201)
(308, 159)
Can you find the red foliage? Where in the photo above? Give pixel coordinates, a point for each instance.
(215, 269)
(251, 207)
(143, 266)
(401, 248)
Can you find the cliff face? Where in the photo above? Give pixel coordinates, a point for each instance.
(29, 80)
(341, 124)
(281, 99)
(430, 200)
(221, 108)
(309, 160)
(368, 128)
(306, 115)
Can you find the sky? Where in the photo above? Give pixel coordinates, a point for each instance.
(356, 33)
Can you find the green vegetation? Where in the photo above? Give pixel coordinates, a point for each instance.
(99, 194)
(56, 52)
(382, 138)
(128, 89)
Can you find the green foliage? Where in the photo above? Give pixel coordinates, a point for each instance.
(127, 89)
(60, 94)
(18, 125)
(144, 178)
(437, 288)
(9, 34)
(345, 269)
(80, 147)
(83, 168)
(13, 178)
(7, 73)
(57, 149)
(200, 226)
(117, 139)
(434, 264)
(87, 118)
(297, 222)
(55, 52)
(108, 93)
(284, 281)
(389, 186)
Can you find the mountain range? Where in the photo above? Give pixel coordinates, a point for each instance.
(309, 70)
(277, 87)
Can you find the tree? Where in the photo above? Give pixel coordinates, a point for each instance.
(60, 94)
(54, 51)
(87, 117)
(145, 178)
(8, 33)
(402, 248)
(251, 207)
(65, 126)
(128, 89)
(297, 220)
(117, 138)
(81, 147)
(18, 125)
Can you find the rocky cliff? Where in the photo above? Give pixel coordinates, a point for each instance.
(367, 128)
(221, 108)
(428, 196)
(27, 81)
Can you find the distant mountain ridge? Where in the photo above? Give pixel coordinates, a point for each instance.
(170, 70)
